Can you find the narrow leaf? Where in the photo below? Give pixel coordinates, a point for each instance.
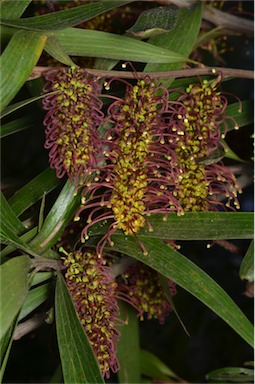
(40, 277)
(13, 9)
(14, 107)
(247, 266)
(24, 48)
(5, 348)
(14, 288)
(189, 276)
(155, 21)
(79, 364)
(65, 18)
(153, 367)
(18, 125)
(35, 297)
(9, 237)
(55, 49)
(129, 341)
(230, 154)
(24, 238)
(181, 39)
(89, 43)
(59, 216)
(231, 375)
(8, 216)
(192, 226)
(242, 115)
(33, 191)
(165, 286)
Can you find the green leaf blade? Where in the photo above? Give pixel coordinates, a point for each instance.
(129, 341)
(192, 226)
(59, 216)
(181, 39)
(13, 290)
(13, 9)
(35, 297)
(89, 43)
(155, 21)
(189, 276)
(247, 265)
(24, 48)
(65, 18)
(79, 364)
(33, 191)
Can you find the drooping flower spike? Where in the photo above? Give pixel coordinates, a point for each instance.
(197, 120)
(145, 292)
(93, 291)
(141, 169)
(74, 114)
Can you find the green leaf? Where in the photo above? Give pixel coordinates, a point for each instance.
(242, 116)
(59, 216)
(24, 48)
(152, 366)
(14, 107)
(79, 364)
(5, 347)
(189, 276)
(128, 346)
(40, 277)
(165, 286)
(14, 288)
(247, 266)
(33, 191)
(231, 154)
(13, 9)
(65, 18)
(213, 156)
(8, 216)
(18, 125)
(155, 21)
(9, 237)
(35, 297)
(89, 43)
(55, 49)
(181, 39)
(231, 375)
(24, 238)
(192, 226)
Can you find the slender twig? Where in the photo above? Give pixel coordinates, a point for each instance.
(224, 72)
(228, 21)
(217, 17)
(30, 325)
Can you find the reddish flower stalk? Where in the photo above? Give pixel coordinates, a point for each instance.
(142, 167)
(197, 119)
(94, 295)
(74, 113)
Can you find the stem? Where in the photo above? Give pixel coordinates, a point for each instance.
(228, 21)
(225, 72)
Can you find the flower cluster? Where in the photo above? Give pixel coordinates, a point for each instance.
(195, 132)
(95, 292)
(94, 295)
(145, 293)
(74, 113)
(151, 159)
(141, 169)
